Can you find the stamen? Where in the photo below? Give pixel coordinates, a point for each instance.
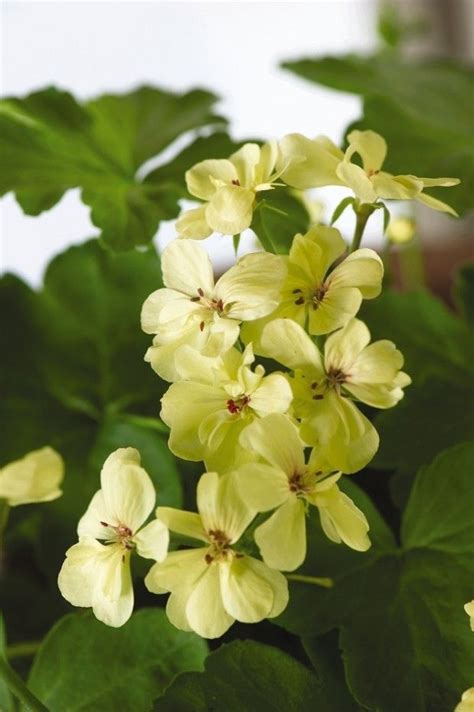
(200, 292)
(236, 182)
(201, 326)
(300, 300)
(236, 406)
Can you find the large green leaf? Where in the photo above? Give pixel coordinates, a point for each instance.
(85, 666)
(435, 411)
(50, 143)
(432, 339)
(405, 637)
(245, 676)
(425, 110)
(74, 378)
(432, 417)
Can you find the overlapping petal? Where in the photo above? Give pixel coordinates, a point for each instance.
(36, 477)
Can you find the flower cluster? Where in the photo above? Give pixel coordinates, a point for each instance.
(275, 444)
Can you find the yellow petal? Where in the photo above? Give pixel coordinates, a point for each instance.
(396, 187)
(34, 478)
(362, 269)
(245, 161)
(344, 346)
(182, 522)
(78, 573)
(377, 395)
(266, 163)
(205, 611)
(341, 520)
(152, 311)
(246, 596)
(184, 405)
(231, 209)
(357, 180)
(282, 537)
(435, 204)
(187, 268)
(273, 395)
(113, 594)
(467, 701)
(261, 486)
(337, 307)
(251, 288)
(180, 570)
(129, 495)
(371, 147)
(307, 163)
(469, 608)
(276, 439)
(286, 342)
(221, 507)
(331, 246)
(162, 358)
(355, 440)
(90, 523)
(152, 541)
(192, 224)
(377, 363)
(201, 179)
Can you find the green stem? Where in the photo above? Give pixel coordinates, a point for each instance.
(144, 421)
(314, 580)
(26, 649)
(363, 213)
(18, 688)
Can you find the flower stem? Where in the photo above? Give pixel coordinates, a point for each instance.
(4, 512)
(25, 649)
(18, 688)
(314, 580)
(363, 213)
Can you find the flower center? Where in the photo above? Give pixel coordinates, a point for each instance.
(237, 405)
(302, 483)
(210, 303)
(314, 298)
(220, 549)
(122, 535)
(336, 377)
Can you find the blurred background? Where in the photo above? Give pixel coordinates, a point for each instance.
(234, 49)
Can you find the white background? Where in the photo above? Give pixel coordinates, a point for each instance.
(231, 48)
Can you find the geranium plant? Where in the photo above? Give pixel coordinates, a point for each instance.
(187, 452)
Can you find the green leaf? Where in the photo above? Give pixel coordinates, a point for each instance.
(51, 143)
(75, 378)
(431, 417)
(437, 348)
(6, 700)
(245, 676)
(325, 657)
(404, 634)
(85, 666)
(345, 202)
(279, 216)
(464, 291)
(432, 339)
(425, 111)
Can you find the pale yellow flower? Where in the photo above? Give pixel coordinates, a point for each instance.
(469, 608)
(284, 482)
(36, 477)
(192, 310)
(317, 163)
(467, 701)
(324, 389)
(97, 574)
(315, 293)
(215, 400)
(215, 584)
(229, 188)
